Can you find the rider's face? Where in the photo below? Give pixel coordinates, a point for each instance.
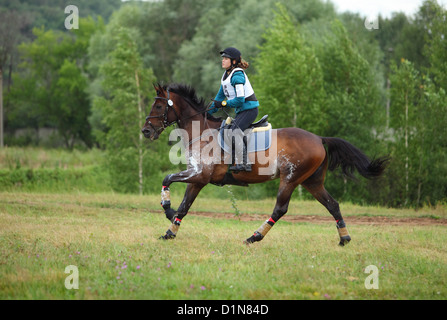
(226, 63)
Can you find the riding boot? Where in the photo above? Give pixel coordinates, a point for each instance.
(242, 165)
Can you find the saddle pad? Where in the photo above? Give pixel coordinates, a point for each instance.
(257, 140)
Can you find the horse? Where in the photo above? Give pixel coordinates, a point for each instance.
(296, 157)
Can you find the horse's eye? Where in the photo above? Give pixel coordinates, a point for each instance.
(158, 107)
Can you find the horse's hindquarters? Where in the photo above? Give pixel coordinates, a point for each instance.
(294, 155)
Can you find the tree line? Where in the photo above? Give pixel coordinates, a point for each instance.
(311, 67)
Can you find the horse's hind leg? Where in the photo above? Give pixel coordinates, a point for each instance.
(314, 184)
(282, 204)
(332, 206)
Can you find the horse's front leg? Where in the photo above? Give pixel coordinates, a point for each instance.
(186, 176)
(195, 184)
(192, 190)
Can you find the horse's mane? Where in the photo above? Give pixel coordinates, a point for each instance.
(189, 93)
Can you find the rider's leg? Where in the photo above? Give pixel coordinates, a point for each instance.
(242, 121)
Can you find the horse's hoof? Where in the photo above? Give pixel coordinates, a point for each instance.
(344, 241)
(254, 238)
(248, 241)
(168, 236)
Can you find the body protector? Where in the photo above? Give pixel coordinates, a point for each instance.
(240, 90)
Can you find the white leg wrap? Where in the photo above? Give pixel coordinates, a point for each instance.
(165, 195)
(174, 228)
(264, 228)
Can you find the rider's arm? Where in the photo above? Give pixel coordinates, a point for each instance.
(219, 97)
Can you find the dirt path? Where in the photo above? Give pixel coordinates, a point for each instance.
(359, 220)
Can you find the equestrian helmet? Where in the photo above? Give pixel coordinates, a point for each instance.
(232, 53)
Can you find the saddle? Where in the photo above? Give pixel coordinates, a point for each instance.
(259, 137)
(262, 123)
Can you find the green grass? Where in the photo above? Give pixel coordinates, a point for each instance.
(52, 170)
(112, 239)
(36, 158)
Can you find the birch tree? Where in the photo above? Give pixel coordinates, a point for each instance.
(404, 103)
(126, 84)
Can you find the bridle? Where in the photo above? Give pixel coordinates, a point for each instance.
(166, 123)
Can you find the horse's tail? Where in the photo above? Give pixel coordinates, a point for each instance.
(345, 155)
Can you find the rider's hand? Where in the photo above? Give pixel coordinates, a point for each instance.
(219, 104)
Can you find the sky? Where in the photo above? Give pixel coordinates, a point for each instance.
(372, 8)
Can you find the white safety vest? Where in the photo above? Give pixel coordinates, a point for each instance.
(241, 90)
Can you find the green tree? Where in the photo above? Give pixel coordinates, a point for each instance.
(405, 98)
(432, 114)
(11, 24)
(432, 139)
(201, 54)
(198, 59)
(238, 24)
(50, 85)
(126, 83)
(418, 117)
(435, 49)
(353, 97)
(163, 27)
(171, 23)
(73, 104)
(354, 107)
(289, 79)
(50, 13)
(402, 36)
(158, 41)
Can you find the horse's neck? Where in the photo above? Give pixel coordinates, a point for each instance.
(197, 127)
(199, 124)
(195, 123)
(212, 124)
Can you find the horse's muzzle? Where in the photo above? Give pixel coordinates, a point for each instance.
(150, 133)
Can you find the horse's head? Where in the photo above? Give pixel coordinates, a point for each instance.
(175, 103)
(162, 114)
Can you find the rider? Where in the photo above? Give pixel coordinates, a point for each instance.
(236, 88)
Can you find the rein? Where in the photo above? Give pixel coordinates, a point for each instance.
(166, 123)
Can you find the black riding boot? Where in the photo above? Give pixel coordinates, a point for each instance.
(244, 166)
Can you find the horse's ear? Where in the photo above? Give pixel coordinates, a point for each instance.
(157, 88)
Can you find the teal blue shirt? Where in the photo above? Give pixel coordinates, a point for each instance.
(238, 103)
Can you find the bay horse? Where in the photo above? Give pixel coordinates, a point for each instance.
(296, 157)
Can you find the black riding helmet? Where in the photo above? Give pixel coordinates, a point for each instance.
(232, 53)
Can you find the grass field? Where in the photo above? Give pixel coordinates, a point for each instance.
(112, 240)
